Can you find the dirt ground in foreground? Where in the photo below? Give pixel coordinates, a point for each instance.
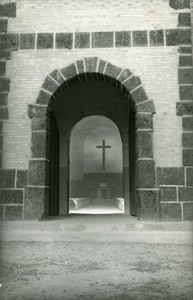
(95, 270)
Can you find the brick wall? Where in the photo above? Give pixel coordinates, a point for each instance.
(156, 66)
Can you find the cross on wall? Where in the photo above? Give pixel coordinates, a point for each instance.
(103, 147)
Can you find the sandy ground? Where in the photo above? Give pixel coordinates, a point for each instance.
(95, 270)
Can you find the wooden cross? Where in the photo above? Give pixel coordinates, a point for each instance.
(103, 147)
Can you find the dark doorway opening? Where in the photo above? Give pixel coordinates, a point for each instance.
(86, 99)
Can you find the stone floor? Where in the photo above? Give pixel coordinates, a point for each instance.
(96, 257)
(98, 208)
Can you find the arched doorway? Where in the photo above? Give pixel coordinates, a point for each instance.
(84, 100)
(96, 167)
(93, 87)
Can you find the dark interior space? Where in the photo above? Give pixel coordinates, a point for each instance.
(82, 100)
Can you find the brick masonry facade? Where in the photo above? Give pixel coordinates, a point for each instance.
(149, 59)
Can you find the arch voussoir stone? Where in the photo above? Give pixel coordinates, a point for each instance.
(81, 70)
(50, 85)
(57, 77)
(70, 74)
(139, 95)
(44, 97)
(111, 73)
(91, 64)
(126, 74)
(101, 66)
(90, 67)
(132, 83)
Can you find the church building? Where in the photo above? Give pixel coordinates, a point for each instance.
(96, 108)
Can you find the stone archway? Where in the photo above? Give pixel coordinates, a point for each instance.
(37, 191)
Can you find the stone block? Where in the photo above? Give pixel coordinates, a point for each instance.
(3, 26)
(146, 107)
(125, 75)
(64, 40)
(184, 20)
(170, 176)
(132, 83)
(185, 193)
(156, 37)
(1, 212)
(171, 212)
(168, 193)
(185, 50)
(69, 72)
(187, 157)
(187, 123)
(2, 68)
(36, 203)
(148, 205)
(3, 99)
(144, 144)
(80, 66)
(139, 95)
(185, 76)
(145, 174)
(7, 178)
(45, 40)
(175, 37)
(40, 124)
(11, 196)
(8, 10)
(57, 77)
(186, 92)
(101, 67)
(102, 39)
(13, 212)
(189, 176)
(40, 144)
(112, 71)
(180, 4)
(185, 61)
(5, 54)
(91, 64)
(82, 40)
(21, 181)
(187, 140)
(50, 85)
(9, 41)
(37, 111)
(27, 41)
(4, 114)
(43, 98)
(140, 38)
(38, 173)
(123, 38)
(4, 84)
(144, 121)
(188, 211)
(184, 108)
